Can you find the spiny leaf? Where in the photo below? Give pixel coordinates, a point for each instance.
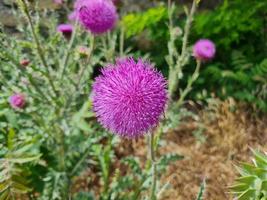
(249, 194)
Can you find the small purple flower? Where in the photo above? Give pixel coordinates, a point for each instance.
(204, 50)
(129, 97)
(66, 30)
(17, 101)
(97, 16)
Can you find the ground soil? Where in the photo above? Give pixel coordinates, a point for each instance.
(229, 130)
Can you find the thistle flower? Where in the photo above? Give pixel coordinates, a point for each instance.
(129, 97)
(17, 101)
(97, 16)
(83, 51)
(66, 30)
(204, 50)
(24, 62)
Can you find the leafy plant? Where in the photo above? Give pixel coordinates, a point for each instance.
(252, 183)
(14, 176)
(135, 23)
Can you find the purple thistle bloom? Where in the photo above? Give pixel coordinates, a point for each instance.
(66, 30)
(129, 97)
(98, 16)
(17, 101)
(204, 50)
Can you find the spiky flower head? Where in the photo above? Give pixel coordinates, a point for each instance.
(17, 100)
(97, 16)
(66, 30)
(129, 97)
(204, 50)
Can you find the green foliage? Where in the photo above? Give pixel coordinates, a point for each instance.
(201, 190)
(135, 23)
(243, 80)
(239, 69)
(14, 176)
(234, 19)
(252, 183)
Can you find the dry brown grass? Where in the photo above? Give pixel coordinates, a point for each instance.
(230, 131)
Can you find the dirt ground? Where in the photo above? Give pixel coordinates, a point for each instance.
(229, 137)
(229, 131)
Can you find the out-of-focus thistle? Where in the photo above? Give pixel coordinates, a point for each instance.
(252, 184)
(97, 16)
(66, 30)
(17, 101)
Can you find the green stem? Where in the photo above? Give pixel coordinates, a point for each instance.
(153, 167)
(189, 85)
(77, 85)
(61, 154)
(67, 54)
(175, 71)
(38, 46)
(92, 45)
(79, 163)
(122, 42)
(188, 27)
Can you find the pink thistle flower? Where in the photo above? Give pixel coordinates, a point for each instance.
(66, 30)
(24, 62)
(83, 51)
(129, 97)
(204, 50)
(17, 101)
(97, 16)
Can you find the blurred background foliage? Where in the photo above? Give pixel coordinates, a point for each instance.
(239, 29)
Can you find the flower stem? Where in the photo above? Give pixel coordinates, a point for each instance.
(38, 46)
(153, 167)
(188, 27)
(122, 33)
(182, 59)
(68, 51)
(190, 82)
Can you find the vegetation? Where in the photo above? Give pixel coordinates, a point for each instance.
(52, 146)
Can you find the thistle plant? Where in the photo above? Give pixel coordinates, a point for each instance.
(252, 183)
(46, 78)
(54, 84)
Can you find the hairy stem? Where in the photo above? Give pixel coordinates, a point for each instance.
(190, 82)
(153, 167)
(188, 27)
(78, 84)
(92, 45)
(38, 46)
(176, 71)
(68, 50)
